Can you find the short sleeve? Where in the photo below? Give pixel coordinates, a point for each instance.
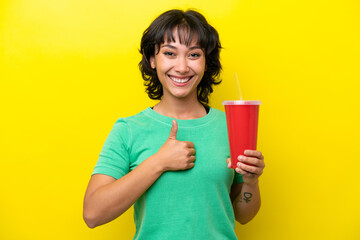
(114, 156)
(238, 178)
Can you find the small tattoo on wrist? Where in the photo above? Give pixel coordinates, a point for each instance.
(246, 197)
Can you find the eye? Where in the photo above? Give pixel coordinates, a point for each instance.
(169, 54)
(195, 55)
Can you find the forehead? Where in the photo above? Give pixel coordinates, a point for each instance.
(183, 35)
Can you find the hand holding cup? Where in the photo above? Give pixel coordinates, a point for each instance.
(250, 165)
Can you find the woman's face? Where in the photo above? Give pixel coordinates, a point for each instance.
(180, 68)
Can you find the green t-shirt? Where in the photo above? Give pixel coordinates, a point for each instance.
(189, 204)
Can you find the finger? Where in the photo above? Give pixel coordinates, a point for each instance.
(189, 144)
(228, 161)
(191, 165)
(250, 169)
(242, 172)
(251, 160)
(173, 130)
(254, 153)
(191, 152)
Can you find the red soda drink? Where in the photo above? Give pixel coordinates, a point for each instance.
(242, 125)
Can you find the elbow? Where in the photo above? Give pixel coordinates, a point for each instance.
(90, 225)
(95, 218)
(90, 219)
(245, 218)
(243, 221)
(89, 222)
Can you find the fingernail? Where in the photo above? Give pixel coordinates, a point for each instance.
(240, 157)
(238, 164)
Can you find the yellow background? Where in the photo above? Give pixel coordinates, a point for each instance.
(69, 70)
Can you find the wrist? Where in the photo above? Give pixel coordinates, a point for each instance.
(156, 164)
(253, 183)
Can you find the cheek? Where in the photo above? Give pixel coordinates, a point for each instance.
(202, 64)
(162, 64)
(201, 68)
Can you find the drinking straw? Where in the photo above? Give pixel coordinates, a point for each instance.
(238, 85)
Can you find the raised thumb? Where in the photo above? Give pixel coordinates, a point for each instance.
(173, 130)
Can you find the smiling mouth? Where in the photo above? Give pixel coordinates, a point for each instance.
(180, 79)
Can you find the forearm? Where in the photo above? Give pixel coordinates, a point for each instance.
(112, 200)
(247, 203)
(107, 198)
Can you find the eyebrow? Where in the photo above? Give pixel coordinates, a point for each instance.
(173, 47)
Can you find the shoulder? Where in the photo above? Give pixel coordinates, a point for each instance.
(217, 111)
(128, 126)
(218, 114)
(124, 122)
(123, 125)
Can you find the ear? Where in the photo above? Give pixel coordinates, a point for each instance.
(152, 62)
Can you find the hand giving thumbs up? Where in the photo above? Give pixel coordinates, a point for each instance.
(176, 155)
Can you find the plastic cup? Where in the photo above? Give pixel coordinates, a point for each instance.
(242, 125)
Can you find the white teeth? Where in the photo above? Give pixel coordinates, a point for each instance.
(180, 80)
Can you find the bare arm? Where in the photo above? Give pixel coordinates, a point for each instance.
(246, 196)
(107, 198)
(247, 203)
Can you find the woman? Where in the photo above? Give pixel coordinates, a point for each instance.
(170, 160)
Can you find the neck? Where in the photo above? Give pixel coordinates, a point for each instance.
(180, 108)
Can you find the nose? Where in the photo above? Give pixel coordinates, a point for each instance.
(182, 65)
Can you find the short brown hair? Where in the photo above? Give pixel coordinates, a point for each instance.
(193, 23)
